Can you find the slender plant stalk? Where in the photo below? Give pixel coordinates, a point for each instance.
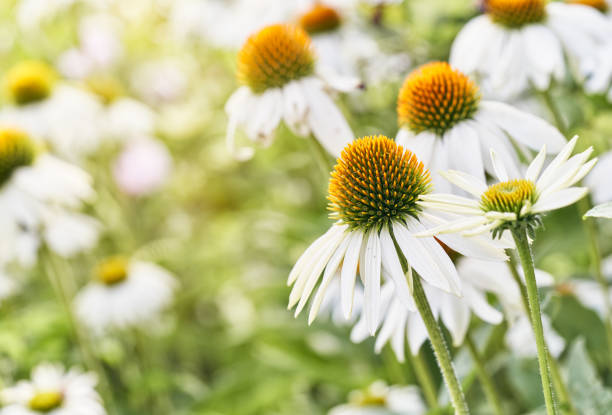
(421, 370)
(323, 159)
(557, 379)
(440, 349)
(485, 380)
(524, 251)
(557, 116)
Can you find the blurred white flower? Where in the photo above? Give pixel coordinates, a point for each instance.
(129, 118)
(521, 341)
(598, 180)
(142, 167)
(517, 45)
(39, 197)
(8, 285)
(52, 390)
(125, 293)
(512, 198)
(32, 13)
(278, 69)
(444, 122)
(380, 399)
(160, 81)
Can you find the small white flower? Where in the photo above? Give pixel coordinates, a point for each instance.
(277, 66)
(380, 399)
(373, 194)
(52, 390)
(519, 44)
(128, 118)
(510, 200)
(446, 124)
(124, 294)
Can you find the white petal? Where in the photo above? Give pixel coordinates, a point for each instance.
(372, 272)
(534, 169)
(465, 181)
(392, 264)
(349, 272)
(559, 199)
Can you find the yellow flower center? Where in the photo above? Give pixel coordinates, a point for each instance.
(320, 18)
(29, 81)
(435, 97)
(375, 181)
(274, 56)
(105, 87)
(112, 271)
(600, 5)
(515, 13)
(46, 401)
(508, 196)
(16, 150)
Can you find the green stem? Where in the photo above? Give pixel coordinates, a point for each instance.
(485, 380)
(321, 156)
(440, 348)
(524, 251)
(550, 103)
(421, 370)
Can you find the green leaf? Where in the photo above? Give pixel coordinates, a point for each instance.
(600, 211)
(588, 393)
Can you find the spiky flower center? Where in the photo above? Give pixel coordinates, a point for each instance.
(509, 196)
(515, 13)
(320, 18)
(274, 56)
(112, 271)
(435, 97)
(16, 150)
(46, 401)
(29, 81)
(376, 182)
(601, 5)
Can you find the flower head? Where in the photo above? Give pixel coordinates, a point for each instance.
(320, 18)
(376, 182)
(275, 56)
(601, 5)
(435, 97)
(515, 13)
(112, 270)
(29, 81)
(513, 202)
(16, 150)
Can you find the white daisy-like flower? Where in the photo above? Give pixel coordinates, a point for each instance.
(515, 199)
(381, 399)
(445, 123)
(52, 390)
(521, 341)
(374, 195)
(39, 199)
(277, 66)
(124, 294)
(519, 44)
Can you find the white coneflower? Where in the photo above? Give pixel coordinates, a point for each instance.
(277, 67)
(515, 200)
(52, 390)
(39, 199)
(374, 196)
(125, 293)
(445, 123)
(519, 44)
(381, 399)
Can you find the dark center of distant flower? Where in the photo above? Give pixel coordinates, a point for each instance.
(274, 56)
(509, 197)
(601, 5)
(46, 401)
(16, 150)
(112, 270)
(376, 182)
(435, 97)
(515, 13)
(29, 81)
(320, 18)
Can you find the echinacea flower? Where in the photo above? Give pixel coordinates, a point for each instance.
(374, 196)
(512, 201)
(39, 200)
(446, 124)
(124, 294)
(381, 399)
(52, 390)
(277, 67)
(519, 44)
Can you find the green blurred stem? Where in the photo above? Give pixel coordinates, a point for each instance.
(485, 380)
(556, 113)
(440, 348)
(524, 251)
(595, 252)
(421, 370)
(321, 156)
(62, 282)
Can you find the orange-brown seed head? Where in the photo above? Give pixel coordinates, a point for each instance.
(320, 18)
(515, 13)
(601, 5)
